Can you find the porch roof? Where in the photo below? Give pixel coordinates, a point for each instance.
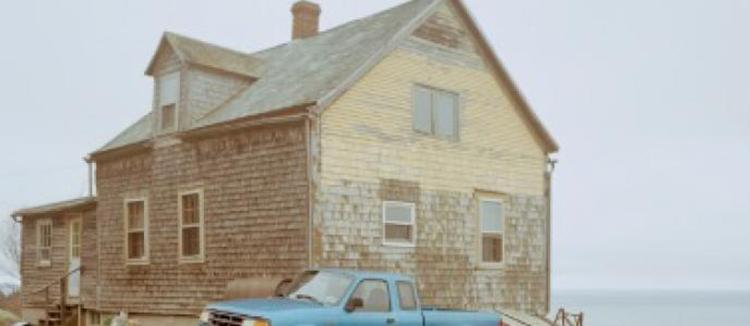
(77, 203)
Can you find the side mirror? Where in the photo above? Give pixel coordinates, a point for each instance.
(354, 304)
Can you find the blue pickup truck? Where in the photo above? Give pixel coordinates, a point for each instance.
(340, 297)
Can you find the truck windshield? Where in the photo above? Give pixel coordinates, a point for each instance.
(326, 288)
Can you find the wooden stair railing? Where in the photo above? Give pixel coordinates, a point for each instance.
(564, 318)
(58, 313)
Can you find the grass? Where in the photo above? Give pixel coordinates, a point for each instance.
(7, 318)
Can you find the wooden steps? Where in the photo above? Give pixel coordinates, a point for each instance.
(58, 315)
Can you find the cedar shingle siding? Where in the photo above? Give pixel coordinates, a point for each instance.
(254, 185)
(266, 139)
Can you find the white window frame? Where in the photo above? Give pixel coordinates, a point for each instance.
(413, 224)
(176, 75)
(146, 248)
(503, 222)
(433, 114)
(200, 258)
(39, 224)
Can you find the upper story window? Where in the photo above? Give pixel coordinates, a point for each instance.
(136, 225)
(399, 223)
(169, 98)
(191, 226)
(491, 220)
(44, 242)
(436, 112)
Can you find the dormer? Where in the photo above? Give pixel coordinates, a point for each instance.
(192, 78)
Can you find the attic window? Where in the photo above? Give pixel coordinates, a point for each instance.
(435, 112)
(169, 97)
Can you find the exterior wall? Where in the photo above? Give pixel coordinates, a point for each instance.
(206, 90)
(370, 154)
(35, 277)
(255, 208)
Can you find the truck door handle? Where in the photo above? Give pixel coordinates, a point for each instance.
(390, 321)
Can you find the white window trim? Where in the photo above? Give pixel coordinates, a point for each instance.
(160, 106)
(433, 131)
(146, 248)
(39, 224)
(413, 225)
(480, 247)
(201, 257)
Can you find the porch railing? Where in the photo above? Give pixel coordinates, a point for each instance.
(62, 282)
(564, 318)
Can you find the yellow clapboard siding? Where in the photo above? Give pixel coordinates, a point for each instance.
(367, 134)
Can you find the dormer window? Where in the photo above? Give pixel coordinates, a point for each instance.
(169, 97)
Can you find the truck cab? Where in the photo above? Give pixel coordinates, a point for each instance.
(341, 297)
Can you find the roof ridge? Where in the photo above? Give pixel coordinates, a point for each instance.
(341, 26)
(202, 42)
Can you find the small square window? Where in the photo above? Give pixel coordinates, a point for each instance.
(399, 223)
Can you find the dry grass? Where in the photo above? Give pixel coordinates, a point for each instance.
(7, 318)
(11, 304)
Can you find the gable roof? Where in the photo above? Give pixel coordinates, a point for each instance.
(317, 69)
(193, 51)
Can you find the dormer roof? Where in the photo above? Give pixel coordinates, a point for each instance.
(192, 51)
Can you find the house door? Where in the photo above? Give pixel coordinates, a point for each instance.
(74, 259)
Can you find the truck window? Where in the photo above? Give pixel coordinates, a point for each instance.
(374, 295)
(407, 300)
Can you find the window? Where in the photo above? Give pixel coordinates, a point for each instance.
(491, 219)
(168, 116)
(191, 226)
(136, 224)
(435, 112)
(44, 241)
(399, 223)
(374, 295)
(407, 299)
(169, 96)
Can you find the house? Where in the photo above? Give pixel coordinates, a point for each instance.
(394, 142)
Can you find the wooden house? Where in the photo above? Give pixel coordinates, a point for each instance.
(395, 142)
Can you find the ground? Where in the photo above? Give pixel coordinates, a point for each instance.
(7, 318)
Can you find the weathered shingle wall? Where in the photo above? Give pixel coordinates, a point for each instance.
(206, 90)
(255, 189)
(34, 276)
(370, 153)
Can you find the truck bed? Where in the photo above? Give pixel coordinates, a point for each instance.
(440, 317)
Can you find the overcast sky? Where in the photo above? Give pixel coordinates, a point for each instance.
(650, 101)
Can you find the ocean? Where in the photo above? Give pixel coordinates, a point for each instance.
(657, 308)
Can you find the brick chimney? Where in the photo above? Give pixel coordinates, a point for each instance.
(306, 17)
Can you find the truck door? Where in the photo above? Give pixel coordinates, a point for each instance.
(375, 309)
(407, 312)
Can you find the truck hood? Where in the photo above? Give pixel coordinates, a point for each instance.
(263, 307)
